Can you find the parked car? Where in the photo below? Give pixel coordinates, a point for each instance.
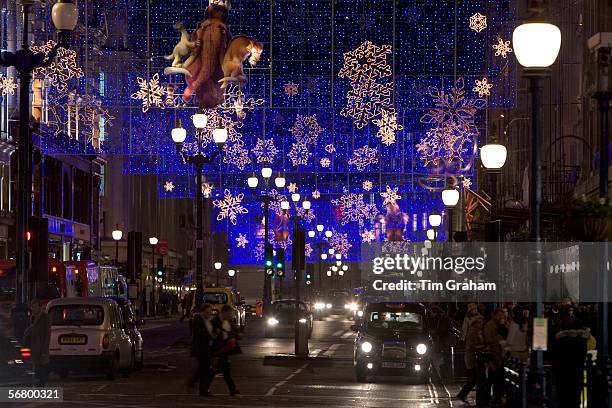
(217, 297)
(131, 324)
(89, 334)
(393, 339)
(281, 317)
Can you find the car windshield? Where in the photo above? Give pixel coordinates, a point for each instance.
(395, 320)
(286, 307)
(215, 297)
(76, 315)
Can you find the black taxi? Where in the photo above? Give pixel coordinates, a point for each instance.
(393, 339)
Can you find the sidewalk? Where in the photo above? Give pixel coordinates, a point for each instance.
(158, 322)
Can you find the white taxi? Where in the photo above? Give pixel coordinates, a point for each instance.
(89, 334)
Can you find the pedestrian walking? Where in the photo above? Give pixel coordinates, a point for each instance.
(470, 315)
(517, 333)
(202, 347)
(474, 343)
(495, 333)
(37, 337)
(227, 340)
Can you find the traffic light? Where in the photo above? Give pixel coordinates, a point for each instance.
(280, 261)
(269, 260)
(161, 270)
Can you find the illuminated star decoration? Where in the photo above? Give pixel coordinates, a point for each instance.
(355, 209)
(241, 241)
(390, 196)
(265, 150)
(306, 129)
(367, 185)
(299, 154)
(207, 189)
(292, 187)
(367, 96)
(368, 236)
(151, 93)
(388, 125)
(325, 162)
(502, 48)
(230, 207)
(339, 242)
(478, 22)
(61, 70)
(452, 132)
(330, 148)
(7, 85)
(482, 87)
(290, 88)
(308, 249)
(169, 186)
(364, 157)
(316, 194)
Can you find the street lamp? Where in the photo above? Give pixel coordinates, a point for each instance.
(320, 227)
(199, 158)
(217, 266)
(280, 181)
(328, 234)
(536, 46)
(311, 234)
(64, 15)
(493, 156)
(117, 234)
(431, 234)
(450, 198)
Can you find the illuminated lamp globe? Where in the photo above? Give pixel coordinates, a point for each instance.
(334, 268)
(324, 256)
(536, 45)
(199, 120)
(266, 172)
(295, 197)
(153, 241)
(320, 227)
(231, 273)
(341, 273)
(328, 234)
(338, 263)
(253, 181)
(328, 273)
(493, 156)
(217, 265)
(338, 256)
(280, 181)
(117, 234)
(331, 251)
(64, 15)
(431, 234)
(450, 197)
(179, 134)
(345, 268)
(284, 205)
(220, 136)
(427, 244)
(311, 234)
(435, 219)
(306, 205)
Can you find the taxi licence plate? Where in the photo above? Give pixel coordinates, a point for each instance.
(392, 364)
(73, 340)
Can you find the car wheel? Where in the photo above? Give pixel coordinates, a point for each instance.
(112, 371)
(361, 375)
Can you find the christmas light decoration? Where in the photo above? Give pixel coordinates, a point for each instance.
(235, 102)
(364, 157)
(230, 206)
(316, 194)
(367, 185)
(299, 154)
(478, 22)
(306, 129)
(291, 89)
(482, 87)
(241, 241)
(325, 162)
(330, 148)
(62, 69)
(390, 196)
(339, 242)
(151, 93)
(265, 151)
(237, 155)
(467, 183)
(169, 186)
(207, 189)
(258, 253)
(307, 215)
(502, 48)
(7, 85)
(353, 208)
(292, 188)
(388, 125)
(368, 236)
(308, 249)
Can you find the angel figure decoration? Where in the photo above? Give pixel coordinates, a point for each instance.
(392, 224)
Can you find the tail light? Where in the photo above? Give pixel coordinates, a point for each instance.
(25, 352)
(105, 341)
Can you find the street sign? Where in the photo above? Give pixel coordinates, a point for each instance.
(162, 247)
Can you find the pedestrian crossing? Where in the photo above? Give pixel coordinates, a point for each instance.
(344, 334)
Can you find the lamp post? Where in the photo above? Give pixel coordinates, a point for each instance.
(64, 15)
(253, 182)
(493, 156)
(231, 273)
(117, 234)
(450, 198)
(536, 46)
(435, 220)
(199, 158)
(218, 266)
(153, 241)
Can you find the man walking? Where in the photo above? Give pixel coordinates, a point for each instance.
(227, 340)
(203, 340)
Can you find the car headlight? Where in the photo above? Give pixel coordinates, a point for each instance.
(366, 346)
(302, 320)
(360, 313)
(272, 321)
(319, 306)
(421, 349)
(328, 306)
(346, 306)
(353, 306)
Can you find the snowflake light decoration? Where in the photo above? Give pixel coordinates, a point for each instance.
(61, 70)
(275, 201)
(364, 157)
(259, 251)
(169, 186)
(308, 249)
(306, 129)
(316, 194)
(395, 247)
(284, 244)
(290, 88)
(241, 241)
(265, 151)
(235, 101)
(388, 125)
(207, 189)
(237, 155)
(478, 22)
(368, 236)
(452, 131)
(330, 148)
(307, 216)
(292, 187)
(325, 162)
(339, 242)
(299, 154)
(230, 207)
(367, 185)
(355, 209)
(151, 93)
(502, 48)
(7, 85)
(390, 196)
(367, 97)
(482, 87)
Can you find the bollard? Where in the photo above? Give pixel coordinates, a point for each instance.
(302, 344)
